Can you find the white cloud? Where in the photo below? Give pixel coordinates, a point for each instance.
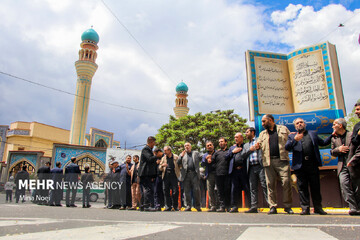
(310, 27)
(200, 42)
(291, 11)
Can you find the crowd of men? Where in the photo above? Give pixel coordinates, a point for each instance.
(156, 178)
(231, 170)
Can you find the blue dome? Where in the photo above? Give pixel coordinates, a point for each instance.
(91, 35)
(182, 87)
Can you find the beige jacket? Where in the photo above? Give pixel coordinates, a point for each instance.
(163, 169)
(283, 133)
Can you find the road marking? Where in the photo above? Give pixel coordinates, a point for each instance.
(16, 222)
(117, 231)
(272, 224)
(284, 233)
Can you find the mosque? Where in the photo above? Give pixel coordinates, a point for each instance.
(33, 143)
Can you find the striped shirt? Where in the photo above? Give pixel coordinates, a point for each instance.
(253, 156)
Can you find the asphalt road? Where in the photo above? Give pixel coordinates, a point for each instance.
(29, 221)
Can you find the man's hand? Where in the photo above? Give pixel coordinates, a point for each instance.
(359, 132)
(257, 146)
(253, 148)
(343, 149)
(299, 136)
(182, 153)
(158, 161)
(164, 165)
(208, 158)
(236, 150)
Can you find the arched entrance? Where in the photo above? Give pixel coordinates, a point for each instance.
(95, 166)
(16, 167)
(101, 143)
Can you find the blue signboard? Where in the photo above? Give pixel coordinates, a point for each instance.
(320, 121)
(326, 158)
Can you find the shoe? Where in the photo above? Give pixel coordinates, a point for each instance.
(88, 206)
(52, 205)
(149, 209)
(320, 211)
(175, 209)
(212, 209)
(187, 209)
(67, 205)
(272, 210)
(198, 209)
(288, 210)
(133, 208)
(158, 209)
(141, 209)
(84, 206)
(113, 207)
(221, 210)
(234, 210)
(252, 210)
(353, 212)
(305, 211)
(122, 208)
(167, 209)
(58, 205)
(73, 205)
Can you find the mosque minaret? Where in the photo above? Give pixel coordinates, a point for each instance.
(181, 101)
(85, 70)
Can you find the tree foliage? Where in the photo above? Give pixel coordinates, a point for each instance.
(352, 119)
(199, 128)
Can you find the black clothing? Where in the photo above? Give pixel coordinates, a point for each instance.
(135, 173)
(221, 162)
(274, 143)
(42, 194)
(355, 139)
(190, 163)
(224, 190)
(20, 192)
(309, 158)
(148, 166)
(170, 181)
(171, 165)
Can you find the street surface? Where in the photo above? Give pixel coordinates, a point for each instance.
(29, 221)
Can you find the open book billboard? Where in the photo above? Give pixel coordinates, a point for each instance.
(304, 83)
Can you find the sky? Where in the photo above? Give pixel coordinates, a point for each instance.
(147, 47)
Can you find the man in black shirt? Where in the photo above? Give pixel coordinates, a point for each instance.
(221, 163)
(147, 173)
(306, 161)
(170, 174)
(43, 174)
(210, 175)
(354, 156)
(238, 173)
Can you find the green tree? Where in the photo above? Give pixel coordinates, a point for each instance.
(199, 128)
(352, 119)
